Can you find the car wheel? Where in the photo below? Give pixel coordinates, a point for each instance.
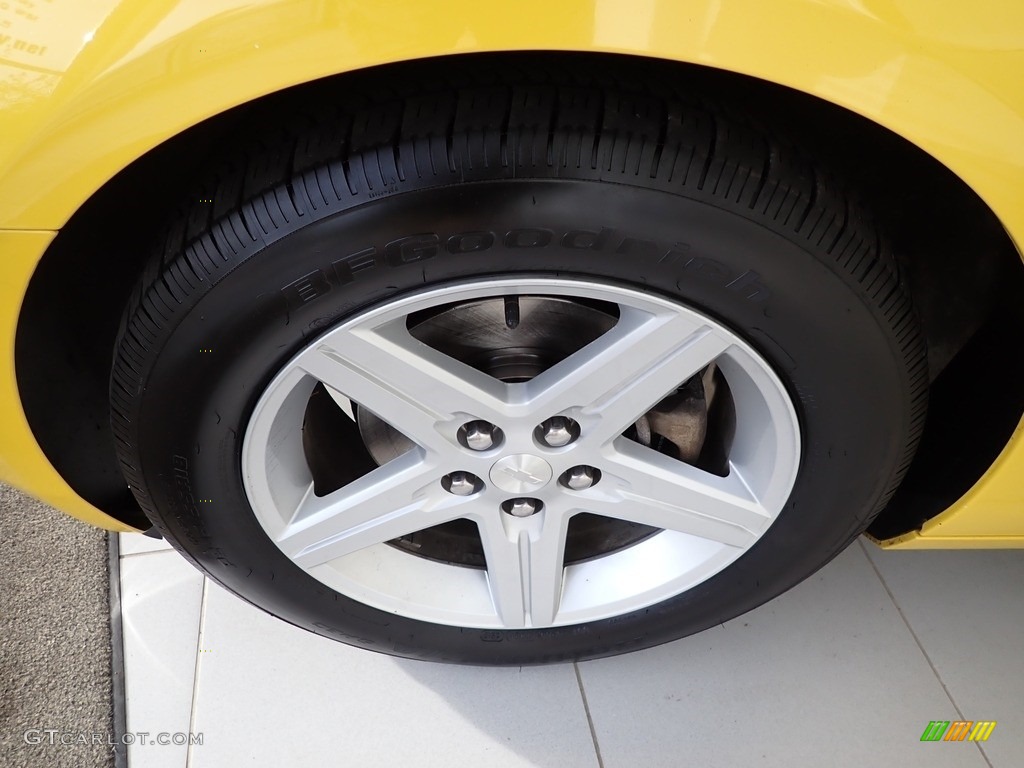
(517, 373)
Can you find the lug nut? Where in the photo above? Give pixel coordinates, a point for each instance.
(461, 483)
(479, 435)
(522, 507)
(558, 431)
(580, 477)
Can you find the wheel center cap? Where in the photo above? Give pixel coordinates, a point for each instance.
(521, 473)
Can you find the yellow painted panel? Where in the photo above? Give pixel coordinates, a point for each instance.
(917, 541)
(994, 506)
(991, 514)
(87, 87)
(109, 79)
(22, 463)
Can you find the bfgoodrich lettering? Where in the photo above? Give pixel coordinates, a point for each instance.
(427, 245)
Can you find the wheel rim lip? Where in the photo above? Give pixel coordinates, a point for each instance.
(458, 596)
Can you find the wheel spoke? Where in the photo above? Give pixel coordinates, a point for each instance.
(421, 391)
(396, 499)
(489, 453)
(617, 378)
(525, 566)
(644, 486)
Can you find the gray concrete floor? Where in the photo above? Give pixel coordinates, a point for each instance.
(54, 636)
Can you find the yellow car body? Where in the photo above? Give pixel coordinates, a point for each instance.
(86, 88)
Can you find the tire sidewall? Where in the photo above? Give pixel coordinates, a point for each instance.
(830, 346)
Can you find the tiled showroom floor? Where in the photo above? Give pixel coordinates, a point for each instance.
(845, 670)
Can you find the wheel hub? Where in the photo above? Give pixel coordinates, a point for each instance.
(521, 473)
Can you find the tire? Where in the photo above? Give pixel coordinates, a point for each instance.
(597, 202)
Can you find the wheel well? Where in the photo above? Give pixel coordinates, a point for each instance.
(965, 274)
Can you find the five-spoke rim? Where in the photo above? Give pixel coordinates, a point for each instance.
(555, 449)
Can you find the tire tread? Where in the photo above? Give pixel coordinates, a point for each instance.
(598, 123)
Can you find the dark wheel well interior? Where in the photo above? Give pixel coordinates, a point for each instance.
(965, 274)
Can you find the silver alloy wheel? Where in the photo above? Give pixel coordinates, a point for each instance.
(706, 521)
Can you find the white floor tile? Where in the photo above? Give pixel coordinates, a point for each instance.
(827, 674)
(273, 695)
(161, 597)
(136, 543)
(967, 610)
